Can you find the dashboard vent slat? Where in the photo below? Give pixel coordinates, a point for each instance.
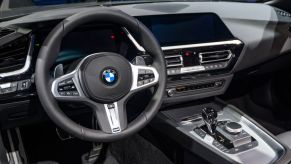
(215, 56)
(13, 54)
(174, 60)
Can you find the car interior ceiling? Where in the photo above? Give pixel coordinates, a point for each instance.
(172, 82)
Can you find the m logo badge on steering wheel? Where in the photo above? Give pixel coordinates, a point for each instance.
(109, 76)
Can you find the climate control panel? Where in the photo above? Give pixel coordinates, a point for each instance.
(185, 89)
(197, 58)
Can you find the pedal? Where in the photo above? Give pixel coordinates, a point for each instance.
(11, 141)
(93, 155)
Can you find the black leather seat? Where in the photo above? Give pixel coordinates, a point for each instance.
(285, 138)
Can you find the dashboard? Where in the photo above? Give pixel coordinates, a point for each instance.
(204, 43)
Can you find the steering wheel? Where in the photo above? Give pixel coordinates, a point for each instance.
(104, 80)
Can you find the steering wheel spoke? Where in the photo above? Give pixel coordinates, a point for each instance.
(67, 88)
(111, 117)
(143, 77)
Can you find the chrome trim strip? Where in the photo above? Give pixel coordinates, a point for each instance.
(27, 62)
(113, 118)
(230, 42)
(140, 48)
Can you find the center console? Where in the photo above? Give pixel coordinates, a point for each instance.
(226, 135)
(200, 54)
(219, 133)
(200, 69)
(199, 50)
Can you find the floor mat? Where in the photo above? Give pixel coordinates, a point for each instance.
(137, 150)
(42, 144)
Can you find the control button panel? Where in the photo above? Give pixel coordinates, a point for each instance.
(229, 150)
(145, 76)
(12, 87)
(200, 68)
(219, 146)
(175, 91)
(23, 85)
(215, 66)
(200, 132)
(67, 88)
(241, 148)
(225, 141)
(234, 139)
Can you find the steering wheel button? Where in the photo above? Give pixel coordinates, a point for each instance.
(66, 88)
(140, 77)
(139, 83)
(70, 81)
(62, 83)
(111, 106)
(148, 71)
(68, 93)
(141, 71)
(151, 79)
(146, 81)
(146, 76)
(73, 87)
(62, 93)
(75, 93)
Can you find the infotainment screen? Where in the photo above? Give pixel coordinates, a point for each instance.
(187, 28)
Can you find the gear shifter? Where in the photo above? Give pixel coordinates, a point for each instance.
(209, 116)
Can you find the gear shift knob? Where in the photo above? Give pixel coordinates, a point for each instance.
(209, 116)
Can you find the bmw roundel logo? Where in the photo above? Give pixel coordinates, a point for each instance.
(109, 76)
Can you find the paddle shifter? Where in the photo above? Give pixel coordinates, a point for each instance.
(209, 116)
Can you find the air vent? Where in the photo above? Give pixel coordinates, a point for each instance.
(5, 31)
(174, 61)
(215, 56)
(13, 55)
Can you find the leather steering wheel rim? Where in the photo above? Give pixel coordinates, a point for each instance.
(49, 52)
